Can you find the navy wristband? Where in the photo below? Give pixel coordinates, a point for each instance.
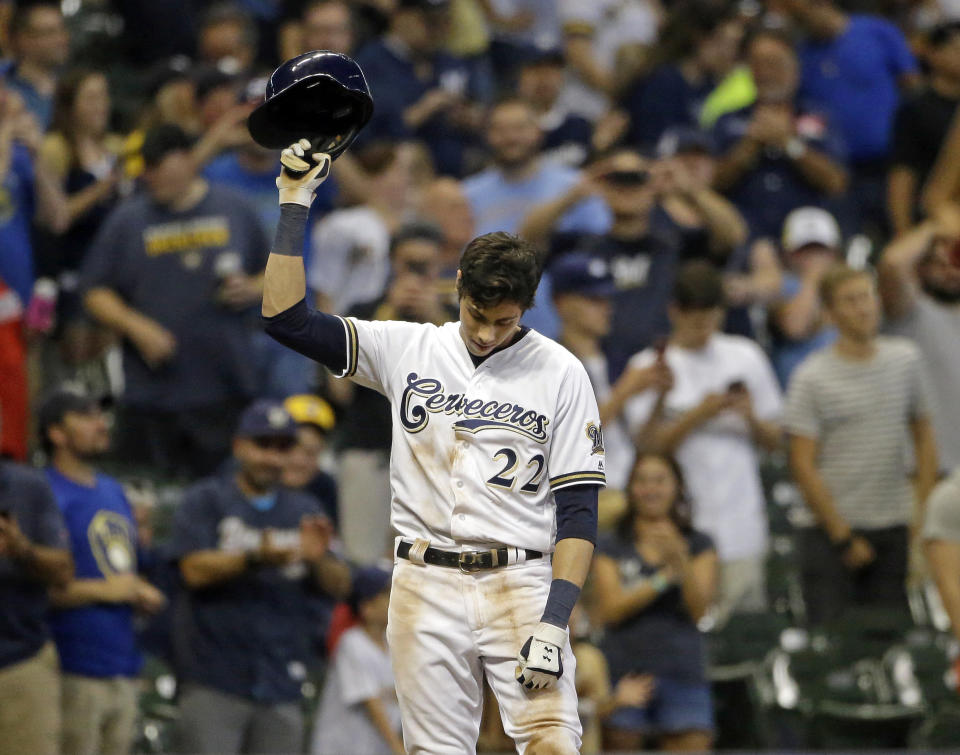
(291, 230)
(563, 597)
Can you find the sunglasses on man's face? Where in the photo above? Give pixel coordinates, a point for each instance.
(627, 177)
(276, 444)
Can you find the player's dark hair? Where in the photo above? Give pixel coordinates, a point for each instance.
(680, 512)
(698, 285)
(498, 267)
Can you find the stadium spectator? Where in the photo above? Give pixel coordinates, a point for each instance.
(920, 289)
(941, 535)
(722, 408)
(645, 244)
(777, 154)
(654, 579)
(798, 324)
(227, 38)
(84, 157)
(365, 430)
(444, 204)
(14, 406)
(93, 622)
(566, 136)
(849, 409)
(702, 45)
(350, 248)
(174, 271)
(250, 552)
(521, 31)
(358, 708)
(40, 43)
(518, 180)
(31, 195)
(583, 288)
(920, 126)
(422, 92)
(34, 555)
(852, 66)
(604, 41)
(304, 471)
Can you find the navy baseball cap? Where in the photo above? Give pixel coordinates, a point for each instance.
(427, 5)
(368, 582)
(266, 418)
(582, 273)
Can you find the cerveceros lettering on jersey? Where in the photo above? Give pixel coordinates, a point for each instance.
(479, 414)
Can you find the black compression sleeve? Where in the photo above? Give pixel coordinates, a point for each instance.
(314, 334)
(291, 230)
(577, 512)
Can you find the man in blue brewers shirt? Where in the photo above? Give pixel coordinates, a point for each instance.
(93, 623)
(250, 553)
(854, 66)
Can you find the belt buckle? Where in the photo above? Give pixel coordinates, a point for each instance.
(468, 562)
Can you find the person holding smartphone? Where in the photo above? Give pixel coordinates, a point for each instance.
(722, 408)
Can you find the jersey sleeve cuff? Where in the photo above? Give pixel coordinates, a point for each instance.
(578, 478)
(350, 329)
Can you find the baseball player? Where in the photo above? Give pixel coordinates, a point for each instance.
(496, 463)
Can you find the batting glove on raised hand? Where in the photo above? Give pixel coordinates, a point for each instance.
(300, 178)
(541, 657)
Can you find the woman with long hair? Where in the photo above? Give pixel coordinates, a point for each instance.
(654, 579)
(82, 153)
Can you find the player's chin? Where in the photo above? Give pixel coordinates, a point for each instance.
(479, 350)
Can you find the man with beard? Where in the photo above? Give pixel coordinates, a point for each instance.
(246, 548)
(920, 285)
(93, 624)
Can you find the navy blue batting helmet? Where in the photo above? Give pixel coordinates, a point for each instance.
(321, 96)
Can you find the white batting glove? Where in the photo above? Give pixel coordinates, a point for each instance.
(300, 188)
(541, 657)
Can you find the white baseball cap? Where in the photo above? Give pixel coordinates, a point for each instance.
(810, 225)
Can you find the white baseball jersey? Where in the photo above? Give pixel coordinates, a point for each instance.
(478, 451)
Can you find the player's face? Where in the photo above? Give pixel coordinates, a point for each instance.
(485, 329)
(262, 460)
(653, 488)
(85, 434)
(855, 308)
(303, 459)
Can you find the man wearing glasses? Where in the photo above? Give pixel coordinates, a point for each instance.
(249, 552)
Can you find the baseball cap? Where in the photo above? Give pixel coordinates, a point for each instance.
(170, 69)
(266, 418)
(368, 582)
(545, 56)
(62, 402)
(683, 139)
(161, 140)
(810, 225)
(307, 409)
(208, 78)
(582, 273)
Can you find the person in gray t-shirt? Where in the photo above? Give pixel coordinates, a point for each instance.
(849, 407)
(941, 535)
(920, 285)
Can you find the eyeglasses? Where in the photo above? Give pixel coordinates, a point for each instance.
(274, 443)
(627, 177)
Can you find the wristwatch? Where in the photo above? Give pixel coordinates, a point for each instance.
(796, 148)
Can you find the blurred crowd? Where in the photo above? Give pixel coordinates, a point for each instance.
(749, 216)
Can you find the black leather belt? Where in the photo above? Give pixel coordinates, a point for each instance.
(467, 561)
